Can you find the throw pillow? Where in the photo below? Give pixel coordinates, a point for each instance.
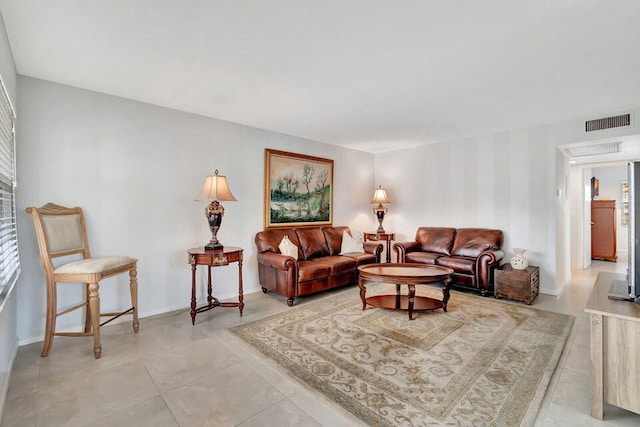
(353, 244)
(287, 247)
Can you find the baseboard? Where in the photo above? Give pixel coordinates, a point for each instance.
(202, 300)
(554, 292)
(5, 378)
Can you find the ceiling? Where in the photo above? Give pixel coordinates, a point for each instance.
(367, 74)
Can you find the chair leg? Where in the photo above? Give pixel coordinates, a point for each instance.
(50, 325)
(87, 311)
(94, 307)
(133, 286)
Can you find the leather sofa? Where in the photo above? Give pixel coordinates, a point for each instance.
(472, 253)
(319, 266)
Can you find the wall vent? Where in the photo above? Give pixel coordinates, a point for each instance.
(594, 149)
(608, 123)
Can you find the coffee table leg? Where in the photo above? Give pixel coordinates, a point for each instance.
(445, 293)
(398, 296)
(363, 292)
(411, 296)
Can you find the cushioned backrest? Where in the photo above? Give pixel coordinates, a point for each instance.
(333, 236)
(471, 241)
(63, 232)
(312, 242)
(436, 239)
(268, 240)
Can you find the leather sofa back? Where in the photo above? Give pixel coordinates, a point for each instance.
(312, 242)
(269, 240)
(436, 239)
(334, 238)
(469, 242)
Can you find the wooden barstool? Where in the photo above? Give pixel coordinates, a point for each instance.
(61, 232)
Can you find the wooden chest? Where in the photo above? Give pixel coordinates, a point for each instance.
(519, 285)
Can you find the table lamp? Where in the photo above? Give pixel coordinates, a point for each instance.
(380, 198)
(214, 190)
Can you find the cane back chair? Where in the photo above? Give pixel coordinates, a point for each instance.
(61, 232)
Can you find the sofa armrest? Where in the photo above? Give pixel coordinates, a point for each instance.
(490, 256)
(374, 248)
(402, 248)
(277, 261)
(486, 262)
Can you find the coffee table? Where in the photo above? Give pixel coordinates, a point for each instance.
(409, 275)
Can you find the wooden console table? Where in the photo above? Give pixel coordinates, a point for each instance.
(615, 349)
(375, 237)
(198, 256)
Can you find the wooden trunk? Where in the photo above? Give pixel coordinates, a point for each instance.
(519, 285)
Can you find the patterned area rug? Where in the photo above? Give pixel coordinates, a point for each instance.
(483, 363)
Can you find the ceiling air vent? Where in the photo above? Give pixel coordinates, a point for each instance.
(608, 122)
(594, 149)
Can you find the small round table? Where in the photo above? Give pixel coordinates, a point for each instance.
(200, 256)
(405, 274)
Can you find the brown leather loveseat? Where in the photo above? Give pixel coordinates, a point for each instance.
(472, 253)
(319, 266)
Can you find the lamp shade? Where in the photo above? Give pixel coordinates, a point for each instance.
(215, 187)
(380, 196)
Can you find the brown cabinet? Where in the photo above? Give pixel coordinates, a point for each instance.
(519, 285)
(603, 230)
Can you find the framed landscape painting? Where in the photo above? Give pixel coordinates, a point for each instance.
(298, 190)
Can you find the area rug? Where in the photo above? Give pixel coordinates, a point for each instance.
(483, 363)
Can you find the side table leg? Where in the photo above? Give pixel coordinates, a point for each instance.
(411, 297)
(240, 296)
(363, 292)
(209, 286)
(193, 293)
(388, 250)
(445, 293)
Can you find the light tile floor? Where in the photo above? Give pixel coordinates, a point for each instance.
(176, 374)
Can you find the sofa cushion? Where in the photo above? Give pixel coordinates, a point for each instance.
(361, 258)
(353, 244)
(314, 269)
(469, 242)
(460, 264)
(436, 239)
(333, 236)
(286, 247)
(422, 257)
(269, 240)
(312, 242)
(339, 264)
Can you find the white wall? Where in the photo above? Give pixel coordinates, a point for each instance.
(8, 304)
(508, 180)
(498, 181)
(135, 169)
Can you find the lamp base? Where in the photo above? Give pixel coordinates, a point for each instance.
(213, 247)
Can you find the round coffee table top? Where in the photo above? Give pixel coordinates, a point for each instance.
(405, 273)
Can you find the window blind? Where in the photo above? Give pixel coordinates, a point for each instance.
(9, 257)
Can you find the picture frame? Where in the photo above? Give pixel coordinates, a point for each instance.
(298, 190)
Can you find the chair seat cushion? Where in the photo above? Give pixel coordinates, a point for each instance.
(94, 265)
